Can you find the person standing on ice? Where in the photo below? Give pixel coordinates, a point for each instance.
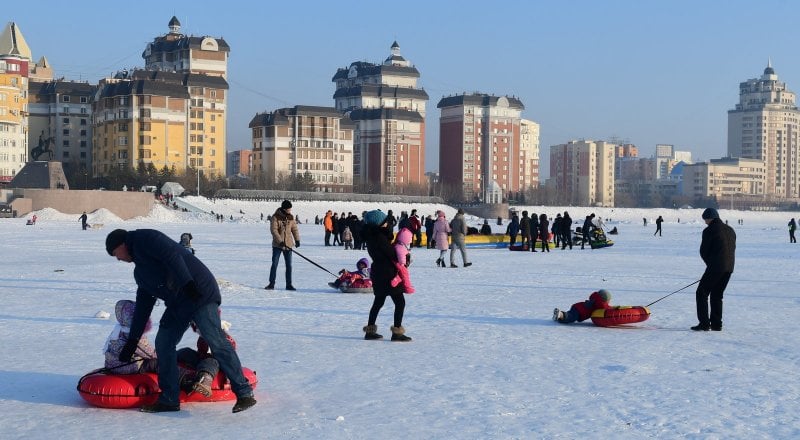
(659, 220)
(718, 251)
(458, 228)
(285, 236)
(84, 219)
(441, 233)
(165, 271)
(378, 235)
(792, 228)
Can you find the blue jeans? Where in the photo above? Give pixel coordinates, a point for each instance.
(171, 330)
(287, 258)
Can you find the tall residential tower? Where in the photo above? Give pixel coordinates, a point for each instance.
(765, 126)
(389, 114)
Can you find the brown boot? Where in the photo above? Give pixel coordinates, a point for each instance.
(399, 334)
(203, 384)
(371, 332)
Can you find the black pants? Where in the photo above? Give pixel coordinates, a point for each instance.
(791, 237)
(712, 284)
(399, 307)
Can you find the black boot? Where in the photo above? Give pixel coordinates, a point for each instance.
(371, 332)
(159, 407)
(243, 403)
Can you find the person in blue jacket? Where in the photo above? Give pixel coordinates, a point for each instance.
(165, 271)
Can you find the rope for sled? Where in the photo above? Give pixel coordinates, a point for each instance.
(684, 287)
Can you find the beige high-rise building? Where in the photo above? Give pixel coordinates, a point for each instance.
(304, 140)
(529, 153)
(480, 148)
(583, 171)
(765, 125)
(389, 114)
(724, 178)
(15, 57)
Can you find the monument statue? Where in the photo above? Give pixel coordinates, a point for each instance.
(43, 147)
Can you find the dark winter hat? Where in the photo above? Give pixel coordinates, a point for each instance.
(114, 239)
(710, 213)
(374, 217)
(286, 204)
(605, 294)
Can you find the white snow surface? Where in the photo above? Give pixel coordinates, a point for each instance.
(486, 361)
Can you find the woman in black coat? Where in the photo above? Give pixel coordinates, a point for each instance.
(377, 236)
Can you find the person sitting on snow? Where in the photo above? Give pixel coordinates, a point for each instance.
(186, 241)
(358, 278)
(583, 310)
(144, 356)
(202, 362)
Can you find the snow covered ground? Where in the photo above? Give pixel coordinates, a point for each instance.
(486, 360)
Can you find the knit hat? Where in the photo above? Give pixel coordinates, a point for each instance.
(286, 204)
(114, 239)
(605, 294)
(710, 213)
(374, 217)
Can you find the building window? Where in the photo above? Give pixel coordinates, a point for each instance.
(83, 121)
(66, 132)
(84, 100)
(65, 143)
(65, 98)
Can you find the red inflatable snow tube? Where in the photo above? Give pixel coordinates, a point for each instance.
(620, 315)
(135, 390)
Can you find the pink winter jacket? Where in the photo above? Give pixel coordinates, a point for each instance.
(441, 231)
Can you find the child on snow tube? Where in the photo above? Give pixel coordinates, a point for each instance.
(583, 310)
(358, 278)
(201, 361)
(144, 356)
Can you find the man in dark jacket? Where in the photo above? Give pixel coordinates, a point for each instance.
(586, 230)
(165, 271)
(718, 251)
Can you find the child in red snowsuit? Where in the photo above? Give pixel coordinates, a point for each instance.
(583, 310)
(359, 278)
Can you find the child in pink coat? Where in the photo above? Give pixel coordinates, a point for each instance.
(402, 246)
(441, 232)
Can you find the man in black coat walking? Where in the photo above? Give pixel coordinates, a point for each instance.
(718, 251)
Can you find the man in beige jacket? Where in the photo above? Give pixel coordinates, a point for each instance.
(285, 236)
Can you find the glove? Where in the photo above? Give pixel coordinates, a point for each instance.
(128, 350)
(191, 292)
(297, 243)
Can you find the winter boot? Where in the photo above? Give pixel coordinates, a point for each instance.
(371, 332)
(159, 407)
(399, 334)
(453, 265)
(244, 402)
(186, 383)
(558, 315)
(270, 286)
(203, 383)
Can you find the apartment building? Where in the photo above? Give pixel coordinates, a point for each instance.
(62, 111)
(764, 126)
(15, 63)
(388, 110)
(583, 171)
(529, 152)
(725, 178)
(203, 62)
(239, 162)
(304, 140)
(480, 150)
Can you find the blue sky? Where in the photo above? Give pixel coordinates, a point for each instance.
(643, 71)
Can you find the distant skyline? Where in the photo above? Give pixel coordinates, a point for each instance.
(643, 72)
